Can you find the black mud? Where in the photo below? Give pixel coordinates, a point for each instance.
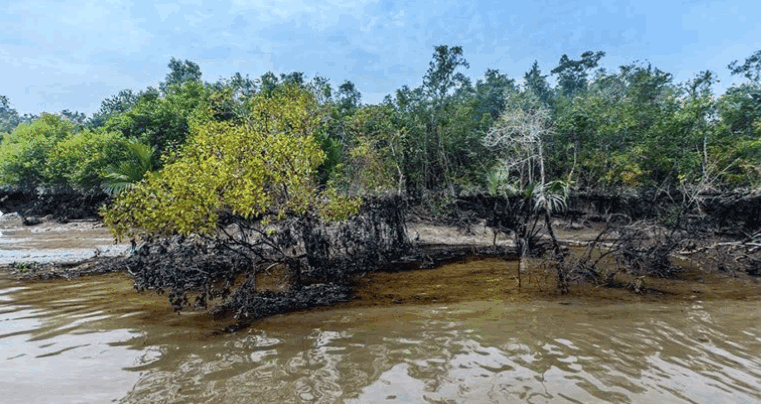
(62, 205)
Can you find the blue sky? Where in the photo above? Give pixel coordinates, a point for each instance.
(58, 55)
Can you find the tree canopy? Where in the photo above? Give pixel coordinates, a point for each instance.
(262, 169)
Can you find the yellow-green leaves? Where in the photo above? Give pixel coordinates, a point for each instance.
(263, 169)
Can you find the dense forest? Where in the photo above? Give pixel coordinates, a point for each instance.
(594, 130)
(260, 169)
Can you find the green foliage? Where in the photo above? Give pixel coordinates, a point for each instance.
(333, 157)
(24, 152)
(113, 105)
(262, 169)
(373, 159)
(572, 74)
(162, 123)
(9, 118)
(619, 132)
(441, 76)
(751, 69)
(631, 127)
(537, 84)
(136, 163)
(179, 73)
(25, 266)
(83, 158)
(348, 97)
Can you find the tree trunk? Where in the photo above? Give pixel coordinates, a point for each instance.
(559, 256)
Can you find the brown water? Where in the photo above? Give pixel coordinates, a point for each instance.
(96, 340)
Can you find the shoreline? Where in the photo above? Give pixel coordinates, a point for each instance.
(438, 270)
(440, 246)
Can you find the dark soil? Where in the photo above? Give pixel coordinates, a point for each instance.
(61, 205)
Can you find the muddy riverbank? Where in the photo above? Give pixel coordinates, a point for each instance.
(480, 267)
(51, 249)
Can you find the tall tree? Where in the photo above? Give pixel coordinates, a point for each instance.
(537, 84)
(79, 119)
(116, 104)
(490, 93)
(9, 118)
(751, 69)
(442, 75)
(348, 97)
(321, 89)
(180, 72)
(572, 74)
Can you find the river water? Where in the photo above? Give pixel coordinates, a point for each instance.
(96, 340)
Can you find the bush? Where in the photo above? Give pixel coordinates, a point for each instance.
(83, 159)
(24, 152)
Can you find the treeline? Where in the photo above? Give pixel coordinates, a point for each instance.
(595, 129)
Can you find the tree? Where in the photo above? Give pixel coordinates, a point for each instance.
(79, 119)
(373, 160)
(441, 76)
(24, 152)
(572, 74)
(116, 104)
(180, 72)
(349, 97)
(245, 191)
(751, 69)
(260, 171)
(82, 159)
(490, 95)
(320, 87)
(537, 84)
(162, 124)
(522, 137)
(701, 84)
(268, 83)
(9, 118)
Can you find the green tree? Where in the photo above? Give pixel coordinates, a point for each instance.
(180, 72)
(439, 81)
(374, 158)
(349, 97)
(79, 119)
(162, 124)
(537, 84)
(9, 118)
(262, 170)
(24, 152)
(751, 69)
(116, 104)
(572, 74)
(83, 158)
(442, 75)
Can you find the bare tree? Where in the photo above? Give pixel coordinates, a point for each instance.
(521, 135)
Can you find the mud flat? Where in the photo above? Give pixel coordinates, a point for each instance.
(50, 243)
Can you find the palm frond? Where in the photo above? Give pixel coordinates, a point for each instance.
(128, 173)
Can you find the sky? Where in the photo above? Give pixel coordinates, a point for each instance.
(57, 55)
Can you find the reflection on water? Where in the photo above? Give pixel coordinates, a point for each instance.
(95, 340)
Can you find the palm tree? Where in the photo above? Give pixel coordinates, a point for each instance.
(130, 171)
